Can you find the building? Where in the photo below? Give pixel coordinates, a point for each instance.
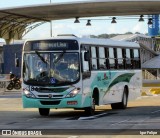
(139, 38)
(12, 58)
(147, 44)
(149, 54)
(1, 57)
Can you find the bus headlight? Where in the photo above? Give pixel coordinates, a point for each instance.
(28, 94)
(73, 93)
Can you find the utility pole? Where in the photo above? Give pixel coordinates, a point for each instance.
(51, 23)
(51, 28)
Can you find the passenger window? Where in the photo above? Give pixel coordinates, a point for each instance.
(120, 64)
(136, 60)
(94, 58)
(128, 59)
(136, 54)
(102, 63)
(111, 58)
(107, 58)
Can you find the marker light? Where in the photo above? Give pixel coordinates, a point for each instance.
(28, 94)
(73, 93)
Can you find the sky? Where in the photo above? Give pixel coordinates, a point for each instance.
(80, 29)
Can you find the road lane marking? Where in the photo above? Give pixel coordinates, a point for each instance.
(121, 122)
(11, 123)
(92, 117)
(31, 119)
(73, 137)
(155, 111)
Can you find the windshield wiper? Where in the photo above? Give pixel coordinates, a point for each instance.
(41, 57)
(59, 57)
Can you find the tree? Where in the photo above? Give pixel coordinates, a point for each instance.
(112, 35)
(103, 36)
(128, 33)
(93, 36)
(137, 33)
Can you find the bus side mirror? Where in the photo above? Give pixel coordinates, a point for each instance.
(86, 56)
(17, 62)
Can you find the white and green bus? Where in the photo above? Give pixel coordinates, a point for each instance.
(80, 73)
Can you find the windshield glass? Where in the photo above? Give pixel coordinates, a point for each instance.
(51, 68)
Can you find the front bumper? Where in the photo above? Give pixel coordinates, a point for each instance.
(76, 101)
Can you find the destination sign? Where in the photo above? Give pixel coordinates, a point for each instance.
(49, 45)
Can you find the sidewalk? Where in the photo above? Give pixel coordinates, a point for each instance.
(3, 91)
(11, 94)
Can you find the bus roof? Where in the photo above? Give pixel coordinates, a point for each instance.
(108, 42)
(95, 41)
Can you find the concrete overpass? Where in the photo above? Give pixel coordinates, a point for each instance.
(14, 21)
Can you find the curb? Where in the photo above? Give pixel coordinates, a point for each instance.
(150, 91)
(143, 94)
(146, 92)
(155, 90)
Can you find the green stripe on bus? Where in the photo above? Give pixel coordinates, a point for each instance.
(121, 78)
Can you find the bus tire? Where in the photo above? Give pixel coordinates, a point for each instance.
(44, 111)
(90, 110)
(123, 104)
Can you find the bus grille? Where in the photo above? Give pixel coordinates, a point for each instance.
(53, 96)
(50, 102)
(55, 90)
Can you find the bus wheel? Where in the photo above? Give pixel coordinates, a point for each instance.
(123, 104)
(44, 111)
(90, 110)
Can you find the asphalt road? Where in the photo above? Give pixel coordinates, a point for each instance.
(142, 117)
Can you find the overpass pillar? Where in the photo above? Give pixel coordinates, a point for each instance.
(11, 35)
(8, 41)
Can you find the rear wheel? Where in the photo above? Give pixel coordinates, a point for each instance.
(123, 104)
(44, 111)
(17, 86)
(90, 110)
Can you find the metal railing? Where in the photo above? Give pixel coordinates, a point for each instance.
(149, 76)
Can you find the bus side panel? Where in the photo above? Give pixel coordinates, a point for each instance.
(115, 87)
(130, 79)
(86, 93)
(111, 85)
(96, 81)
(100, 80)
(135, 85)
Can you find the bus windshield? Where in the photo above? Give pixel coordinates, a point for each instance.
(57, 68)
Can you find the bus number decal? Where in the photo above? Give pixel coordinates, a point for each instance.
(34, 88)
